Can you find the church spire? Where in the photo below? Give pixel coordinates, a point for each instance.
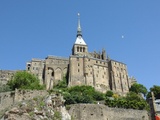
(79, 31)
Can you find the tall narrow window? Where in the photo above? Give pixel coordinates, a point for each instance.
(52, 74)
(77, 49)
(83, 49)
(80, 49)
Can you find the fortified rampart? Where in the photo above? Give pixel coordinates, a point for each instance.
(102, 112)
(9, 98)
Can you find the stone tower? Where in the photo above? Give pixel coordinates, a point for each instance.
(87, 68)
(80, 47)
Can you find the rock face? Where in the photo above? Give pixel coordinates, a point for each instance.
(102, 112)
(39, 108)
(51, 107)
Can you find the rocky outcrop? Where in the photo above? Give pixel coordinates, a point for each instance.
(50, 107)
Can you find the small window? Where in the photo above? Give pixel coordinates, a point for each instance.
(77, 49)
(78, 70)
(80, 49)
(78, 64)
(83, 49)
(77, 59)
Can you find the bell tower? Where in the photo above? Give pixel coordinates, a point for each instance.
(80, 47)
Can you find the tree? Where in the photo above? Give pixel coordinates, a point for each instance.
(156, 90)
(24, 80)
(138, 88)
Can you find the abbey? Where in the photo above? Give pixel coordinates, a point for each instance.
(82, 68)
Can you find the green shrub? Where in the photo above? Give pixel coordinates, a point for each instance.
(4, 88)
(24, 80)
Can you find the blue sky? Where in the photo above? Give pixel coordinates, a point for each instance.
(38, 28)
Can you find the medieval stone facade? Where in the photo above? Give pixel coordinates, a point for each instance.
(50, 70)
(82, 68)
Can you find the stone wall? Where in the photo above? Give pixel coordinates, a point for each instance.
(102, 112)
(6, 75)
(9, 98)
(6, 99)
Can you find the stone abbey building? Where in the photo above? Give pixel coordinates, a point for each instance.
(82, 68)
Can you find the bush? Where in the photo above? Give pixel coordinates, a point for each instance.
(62, 84)
(24, 80)
(109, 94)
(82, 94)
(4, 88)
(132, 100)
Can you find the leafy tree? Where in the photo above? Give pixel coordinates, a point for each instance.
(138, 88)
(132, 100)
(156, 90)
(24, 80)
(133, 96)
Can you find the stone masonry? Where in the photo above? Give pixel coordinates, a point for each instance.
(102, 112)
(82, 68)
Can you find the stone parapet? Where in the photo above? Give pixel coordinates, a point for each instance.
(102, 112)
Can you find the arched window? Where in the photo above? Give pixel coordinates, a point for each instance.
(52, 74)
(83, 49)
(77, 49)
(80, 49)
